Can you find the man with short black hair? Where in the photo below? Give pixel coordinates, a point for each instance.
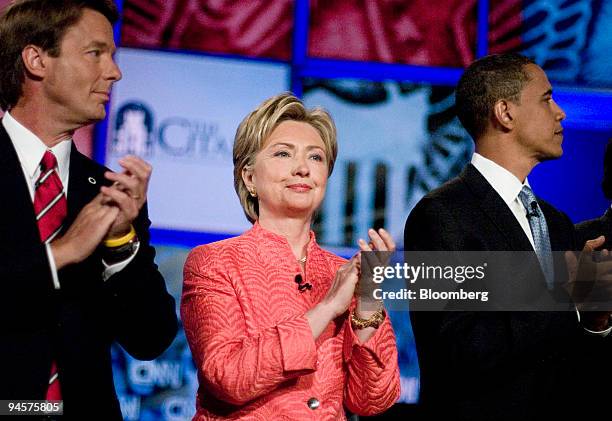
(505, 365)
(76, 266)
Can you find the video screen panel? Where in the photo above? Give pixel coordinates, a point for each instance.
(246, 28)
(569, 39)
(408, 32)
(180, 113)
(397, 141)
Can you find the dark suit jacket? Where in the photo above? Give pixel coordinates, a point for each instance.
(75, 325)
(494, 365)
(593, 228)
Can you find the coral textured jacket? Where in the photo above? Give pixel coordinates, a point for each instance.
(253, 347)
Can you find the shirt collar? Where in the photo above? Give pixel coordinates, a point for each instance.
(503, 181)
(31, 149)
(263, 233)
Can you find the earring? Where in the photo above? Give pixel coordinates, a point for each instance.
(253, 192)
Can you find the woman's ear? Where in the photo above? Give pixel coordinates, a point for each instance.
(248, 176)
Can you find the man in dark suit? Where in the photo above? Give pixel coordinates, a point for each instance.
(514, 365)
(602, 225)
(76, 266)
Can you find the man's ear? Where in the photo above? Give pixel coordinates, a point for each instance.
(34, 60)
(503, 114)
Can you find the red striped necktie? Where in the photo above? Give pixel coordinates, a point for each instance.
(50, 203)
(50, 206)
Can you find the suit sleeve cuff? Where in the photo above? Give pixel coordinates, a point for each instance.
(371, 346)
(297, 345)
(110, 270)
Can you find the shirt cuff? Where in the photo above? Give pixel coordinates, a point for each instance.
(602, 333)
(52, 266)
(298, 348)
(110, 270)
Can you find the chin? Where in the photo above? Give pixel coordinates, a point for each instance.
(301, 208)
(548, 156)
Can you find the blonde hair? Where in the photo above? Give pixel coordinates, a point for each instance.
(256, 127)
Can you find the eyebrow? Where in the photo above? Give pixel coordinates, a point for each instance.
(291, 146)
(548, 93)
(99, 44)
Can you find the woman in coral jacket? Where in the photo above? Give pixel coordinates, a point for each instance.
(272, 320)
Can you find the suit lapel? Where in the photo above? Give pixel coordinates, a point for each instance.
(496, 210)
(83, 185)
(18, 216)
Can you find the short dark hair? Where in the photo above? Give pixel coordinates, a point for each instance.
(606, 183)
(42, 23)
(486, 81)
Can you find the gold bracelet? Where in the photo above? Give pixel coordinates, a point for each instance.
(374, 321)
(118, 242)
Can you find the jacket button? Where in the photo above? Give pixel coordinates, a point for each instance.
(313, 403)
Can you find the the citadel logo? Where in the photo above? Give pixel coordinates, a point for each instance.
(175, 136)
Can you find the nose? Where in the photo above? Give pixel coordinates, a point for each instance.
(114, 73)
(301, 166)
(560, 113)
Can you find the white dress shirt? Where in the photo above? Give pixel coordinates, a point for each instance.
(30, 150)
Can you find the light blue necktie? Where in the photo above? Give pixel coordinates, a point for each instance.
(539, 231)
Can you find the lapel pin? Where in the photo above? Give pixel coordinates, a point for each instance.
(92, 180)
